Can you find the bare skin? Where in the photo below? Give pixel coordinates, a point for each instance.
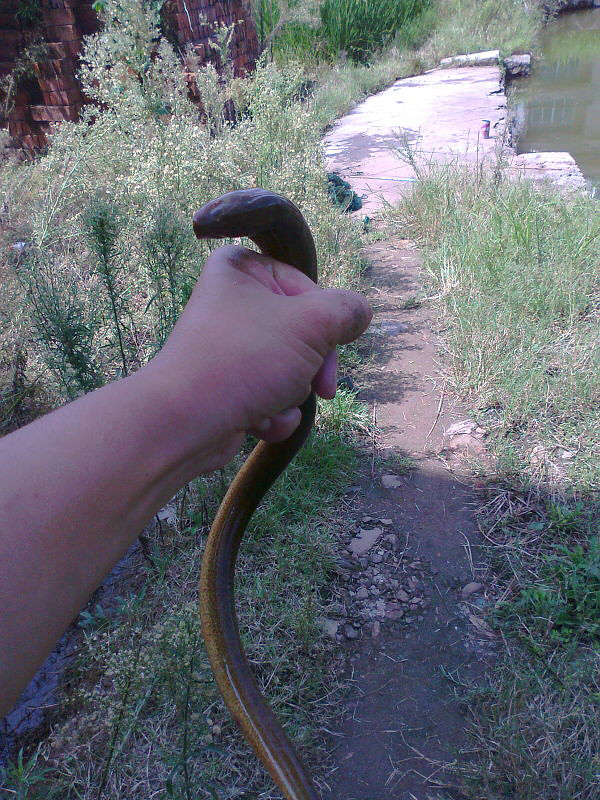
(80, 484)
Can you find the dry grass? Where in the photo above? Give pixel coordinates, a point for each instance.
(516, 271)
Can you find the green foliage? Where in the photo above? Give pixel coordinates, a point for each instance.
(21, 776)
(360, 27)
(28, 12)
(564, 602)
(512, 264)
(312, 30)
(61, 324)
(102, 226)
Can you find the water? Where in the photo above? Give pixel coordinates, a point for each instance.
(558, 107)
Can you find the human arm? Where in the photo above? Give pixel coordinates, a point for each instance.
(79, 485)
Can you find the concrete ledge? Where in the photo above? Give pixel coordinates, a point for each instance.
(560, 169)
(488, 58)
(517, 66)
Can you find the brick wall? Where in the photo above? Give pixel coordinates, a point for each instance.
(53, 94)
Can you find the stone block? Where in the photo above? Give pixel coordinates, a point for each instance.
(488, 58)
(517, 66)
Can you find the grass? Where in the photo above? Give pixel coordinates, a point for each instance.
(446, 28)
(108, 260)
(141, 712)
(516, 270)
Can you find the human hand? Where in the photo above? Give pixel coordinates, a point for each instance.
(255, 336)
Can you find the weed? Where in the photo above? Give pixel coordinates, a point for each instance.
(512, 265)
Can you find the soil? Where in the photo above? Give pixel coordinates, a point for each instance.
(403, 724)
(420, 634)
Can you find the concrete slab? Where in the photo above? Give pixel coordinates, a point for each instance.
(559, 168)
(485, 59)
(438, 114)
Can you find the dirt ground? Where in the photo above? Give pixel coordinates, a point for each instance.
(403, 723)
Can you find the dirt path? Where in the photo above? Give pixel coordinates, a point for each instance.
(403, 722)
(410, 599)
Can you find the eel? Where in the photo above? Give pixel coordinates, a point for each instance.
(280, 231)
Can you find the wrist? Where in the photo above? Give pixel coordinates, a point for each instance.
(189, 418)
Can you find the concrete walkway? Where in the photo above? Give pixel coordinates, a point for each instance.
(438, 115)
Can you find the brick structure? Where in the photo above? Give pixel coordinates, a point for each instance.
(52, 93)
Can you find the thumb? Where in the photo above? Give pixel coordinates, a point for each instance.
(332, 316)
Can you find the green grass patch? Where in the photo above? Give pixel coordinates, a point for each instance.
(143, 715)
(516, 270)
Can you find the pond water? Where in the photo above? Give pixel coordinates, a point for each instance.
(558, 107)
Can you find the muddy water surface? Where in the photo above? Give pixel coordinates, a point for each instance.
(559, 106)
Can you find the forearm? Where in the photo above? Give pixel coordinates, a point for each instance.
(77, 487)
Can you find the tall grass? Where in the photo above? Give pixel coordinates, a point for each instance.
(359, 28)
(99, 255)
(516, 269)
(328, 30)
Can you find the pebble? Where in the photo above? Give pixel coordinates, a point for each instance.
(376, 630)
(385, 522)
(362, 593)
(470, 589)
(329, 626)
(403, 596)
(350, 632)
(376, 558)
(364, 541)
(390, 481)
(394, 614)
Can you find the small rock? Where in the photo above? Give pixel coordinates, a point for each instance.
(416, 601)
(350, 632)
(390, 481)
(470, 589)
(538, 455)
(362, 593)
(380, 608)
(352, 490)
(467, 442)
(390, 538)
(465, 426)
(216, 730)
(394, 583)
(367, 519)
(376, 558)
(403, 596)
(376, 630)
(395, 613)
(328, 626)
(413, 582)
(385, 522)
(566, 454)
(482, 627)
(168, 514)
(364, 541)
(517, 65)
(374, 591)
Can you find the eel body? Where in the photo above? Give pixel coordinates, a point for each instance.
(278, 228)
